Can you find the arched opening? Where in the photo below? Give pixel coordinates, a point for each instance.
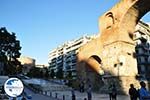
(127, 14)
(109, 19)
(146, 18)
(94, 71)
(134, 14)
(95, 64)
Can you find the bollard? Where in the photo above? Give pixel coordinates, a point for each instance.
(50, 94)
(56, 95)
(74, 97)
(85, 99)
(63, 97)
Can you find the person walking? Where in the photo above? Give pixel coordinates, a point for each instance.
(133, 92)
(23, 98)
(110, 91)
(143, 92)
(82, 87)
(73, 94)
(114, 92)
(89, 92)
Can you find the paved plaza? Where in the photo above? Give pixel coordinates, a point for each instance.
(55, 91)
(59, 95)
(81, 96)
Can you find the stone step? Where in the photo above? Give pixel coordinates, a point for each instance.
(56, 88)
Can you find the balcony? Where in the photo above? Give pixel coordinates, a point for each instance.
(143, 63)
(142, 54)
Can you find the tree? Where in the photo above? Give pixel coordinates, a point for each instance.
(46, 75)
(52, 73)
(59, 74)
(69, 75)
(9, 51)
(35, 72)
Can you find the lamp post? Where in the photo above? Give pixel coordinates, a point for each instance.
(119, 65)
(121, 61)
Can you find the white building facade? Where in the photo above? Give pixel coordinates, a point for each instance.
(142, 49)
(65, 56)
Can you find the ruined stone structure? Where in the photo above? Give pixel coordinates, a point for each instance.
(27, 63)
(111, 57)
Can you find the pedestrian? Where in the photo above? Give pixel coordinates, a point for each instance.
(82, 86)
(3, 91)
(144, 94)
(73, 94)
(114, 92)
(23, 98)
(110, 92)
(85, 99)
(133, 92)
(89, 92)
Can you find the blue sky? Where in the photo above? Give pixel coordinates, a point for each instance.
(42, 25)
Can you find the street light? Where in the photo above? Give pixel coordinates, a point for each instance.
(121, 61)
(118, 66)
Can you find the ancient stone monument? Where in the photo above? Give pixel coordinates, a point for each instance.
(110, 57)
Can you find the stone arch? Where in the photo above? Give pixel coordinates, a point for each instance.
(95, 63)
(122, 19)
(98, 59)
(134, 14)
(126, 15)
(110, 20)
(93, 71)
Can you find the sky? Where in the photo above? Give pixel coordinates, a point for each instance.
(42, 25)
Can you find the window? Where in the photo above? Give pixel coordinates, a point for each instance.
(142, 69)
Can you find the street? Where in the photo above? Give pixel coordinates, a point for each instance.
(38, 96)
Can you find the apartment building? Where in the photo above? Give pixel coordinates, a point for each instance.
(64, 57)
(142, 38)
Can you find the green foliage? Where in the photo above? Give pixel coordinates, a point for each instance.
(46, 75)
(13, 67)
(52, 73)
(38, 72)
(35, 72)
(9, 46)
(69, 75)
(9, 51)
(59, 74)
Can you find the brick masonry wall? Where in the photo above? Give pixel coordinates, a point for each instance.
(115, 47)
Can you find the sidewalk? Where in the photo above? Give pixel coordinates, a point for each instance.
(81, 96)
